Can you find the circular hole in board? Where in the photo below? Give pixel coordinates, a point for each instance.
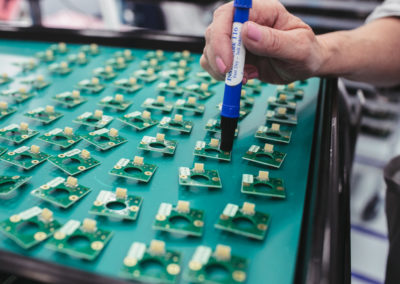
(200, 178)
(217, 272)
(92, 119)
(42, 114)
(79, 242)
(13, 133)
(6, 184)
(263, 185)
(265, 156)
(59, 138)
(157, 145)
(71, 162)
(274, 134)
(23, 158)
(175, 124)
(132, 170)
(179, 222)
(152, 267)
(102, 138)
(116, 205)
(243, 223)
(59, 193)
(27, 228)
(212, 151)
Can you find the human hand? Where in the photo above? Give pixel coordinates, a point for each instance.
(280, 47)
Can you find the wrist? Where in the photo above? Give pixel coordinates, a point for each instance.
(325, 55)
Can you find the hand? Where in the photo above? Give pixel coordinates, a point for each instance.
(280, 47)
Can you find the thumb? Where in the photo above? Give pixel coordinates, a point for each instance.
(269, 42)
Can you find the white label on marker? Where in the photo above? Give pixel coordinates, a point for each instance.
(235, 75)
(230, 210)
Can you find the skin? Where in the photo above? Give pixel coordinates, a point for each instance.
(281, 48)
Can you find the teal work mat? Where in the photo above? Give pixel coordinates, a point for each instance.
(270, 261)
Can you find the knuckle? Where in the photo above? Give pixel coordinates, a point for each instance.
(204, 53)
(208, 33)
(222, 10)
(218, 12)
(273, 41)
(203, 62)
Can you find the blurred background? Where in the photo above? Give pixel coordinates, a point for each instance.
(374, 111)
(177, 17)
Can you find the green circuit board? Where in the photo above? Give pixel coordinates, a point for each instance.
(15, 227)
(61, 192)
(204, 259)
(17, 133)
(168, 216)
(9, 184)
(65, 103)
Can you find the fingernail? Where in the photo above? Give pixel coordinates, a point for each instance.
(221, 65)
(253, 32)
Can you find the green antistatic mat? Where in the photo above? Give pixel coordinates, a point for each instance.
(270, 261)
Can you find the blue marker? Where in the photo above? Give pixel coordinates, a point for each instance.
(233, 82)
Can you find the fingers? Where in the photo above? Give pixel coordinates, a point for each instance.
(204, 64)
(218, 51)
(269, 42)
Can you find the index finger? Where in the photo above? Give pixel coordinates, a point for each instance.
(220, 37)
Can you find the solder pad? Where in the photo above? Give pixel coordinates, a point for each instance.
(72, 163)
(131, 170)
(109, 204)
(232, 215)
(60, 193)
